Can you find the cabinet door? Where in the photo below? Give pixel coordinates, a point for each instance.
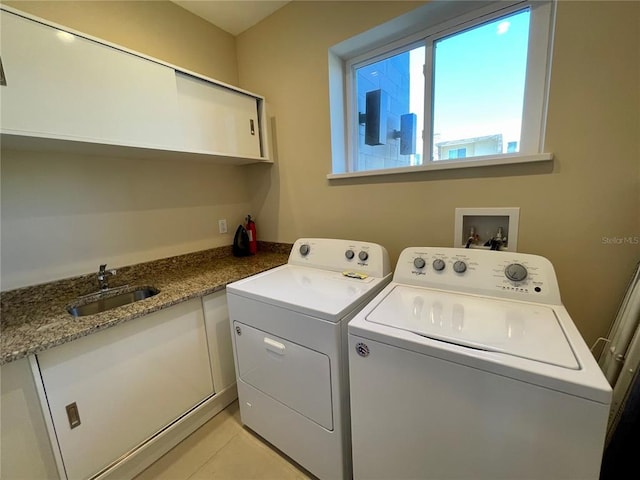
(26, 451)
(60, 85)
(217, 119)
(216, 315)
(127, 382)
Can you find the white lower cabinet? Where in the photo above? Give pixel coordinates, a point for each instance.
(216, 315)
(110, 391)
(25, 452)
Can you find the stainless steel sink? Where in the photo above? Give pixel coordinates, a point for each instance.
(103, 301)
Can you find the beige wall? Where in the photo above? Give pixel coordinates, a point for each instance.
(63, 215)
(591, 191)
(160, 29)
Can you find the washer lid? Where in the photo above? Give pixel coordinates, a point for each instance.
(520, 329)
(321, 293)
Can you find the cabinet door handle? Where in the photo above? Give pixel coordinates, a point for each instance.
(253, 128)
(73, 415)
(3, 78)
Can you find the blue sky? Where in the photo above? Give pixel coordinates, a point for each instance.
(479, 80)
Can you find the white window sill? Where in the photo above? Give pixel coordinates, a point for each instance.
(471, 162)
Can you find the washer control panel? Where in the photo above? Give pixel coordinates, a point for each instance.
(495, 273)
(341, 255)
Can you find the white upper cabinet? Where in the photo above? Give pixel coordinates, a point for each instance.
(216, 119)
(67, 91)
(63, 85)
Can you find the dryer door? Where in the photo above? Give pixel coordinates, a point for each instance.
(294, 375)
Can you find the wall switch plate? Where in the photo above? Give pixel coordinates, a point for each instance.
(222, 226)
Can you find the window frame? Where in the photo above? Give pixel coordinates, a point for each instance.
(541, 29)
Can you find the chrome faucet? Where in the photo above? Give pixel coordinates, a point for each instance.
(103, 275)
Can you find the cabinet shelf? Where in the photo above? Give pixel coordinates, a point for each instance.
(31, 142)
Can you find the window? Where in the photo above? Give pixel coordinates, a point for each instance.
(457, 153)
(468, 90)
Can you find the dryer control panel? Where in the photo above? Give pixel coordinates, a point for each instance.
(349, 256)
(512, 275)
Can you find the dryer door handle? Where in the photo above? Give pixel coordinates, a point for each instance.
(273, 346)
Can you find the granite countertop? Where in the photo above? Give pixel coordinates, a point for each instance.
(35, 318)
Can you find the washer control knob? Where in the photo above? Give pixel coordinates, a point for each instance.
(363, 255)
(459, 266)
(304, 249)
(438, 264)
(516, 272)
(349, 254)
(419, 262)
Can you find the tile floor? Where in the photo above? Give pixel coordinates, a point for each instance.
(223, 449)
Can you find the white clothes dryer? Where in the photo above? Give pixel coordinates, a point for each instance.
(468, 366)
(289, 328)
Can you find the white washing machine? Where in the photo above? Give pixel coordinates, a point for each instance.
(468, 366)
(289, 327)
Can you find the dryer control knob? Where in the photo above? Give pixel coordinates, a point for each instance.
(349, 254)
(516, 272)
(304, 249)
(363, 255)
(419, 262)
(459, 266)
(438, 264)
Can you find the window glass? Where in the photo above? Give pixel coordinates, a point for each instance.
(390, 104)
(457, 153)
(478, 88)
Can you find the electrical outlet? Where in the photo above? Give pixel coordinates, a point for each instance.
(222, 226)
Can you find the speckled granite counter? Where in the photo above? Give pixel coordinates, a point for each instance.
(36, 318)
